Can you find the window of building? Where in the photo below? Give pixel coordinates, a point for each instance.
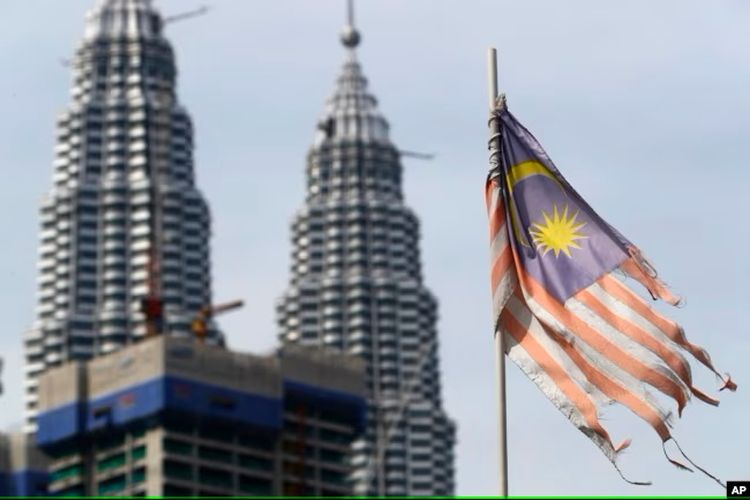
(334, 416)
(332, 456)
(255, 486)
(255, 463)
(177, 470)
(177, 446)
(295, 448)
(255, 441)
(209, 476)
(217, 433)
(112, 462)
(139, 476)
(171, 490)
(72, 491)
(294, 470)
(68, 472)
(138, 453)
(112, 486)
(215, 454)
(297, 489)
(334, 477)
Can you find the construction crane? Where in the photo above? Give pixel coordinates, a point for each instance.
(200, 322)
(152, 305)
(186, 15)
(417, 156)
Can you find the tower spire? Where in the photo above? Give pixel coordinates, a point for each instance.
(355, 201)
(350, 37)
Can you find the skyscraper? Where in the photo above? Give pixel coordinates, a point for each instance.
(357, 286)
(123, 220)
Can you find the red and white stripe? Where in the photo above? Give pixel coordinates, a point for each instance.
(502, 266)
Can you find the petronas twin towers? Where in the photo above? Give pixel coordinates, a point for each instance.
(124, 196)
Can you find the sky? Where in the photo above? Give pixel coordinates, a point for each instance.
(644, 106)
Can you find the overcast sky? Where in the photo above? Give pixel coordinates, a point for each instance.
(643, 105)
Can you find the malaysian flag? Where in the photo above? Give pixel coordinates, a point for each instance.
(560, 299)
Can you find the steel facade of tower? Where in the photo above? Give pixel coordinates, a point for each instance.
(123, 214)
(357, 286)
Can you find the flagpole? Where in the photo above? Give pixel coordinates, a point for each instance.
(494, 146)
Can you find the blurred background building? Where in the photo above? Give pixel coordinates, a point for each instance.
(172, 416)
(357, 287)
(125, 232)
(23, 469)
(123, 402)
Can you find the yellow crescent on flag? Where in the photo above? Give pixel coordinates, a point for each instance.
(516, 174)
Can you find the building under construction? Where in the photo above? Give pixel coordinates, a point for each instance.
(171, 416)
(23, 469)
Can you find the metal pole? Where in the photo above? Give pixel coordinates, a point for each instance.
(350, 12)
(492, 79)
(499, 347)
